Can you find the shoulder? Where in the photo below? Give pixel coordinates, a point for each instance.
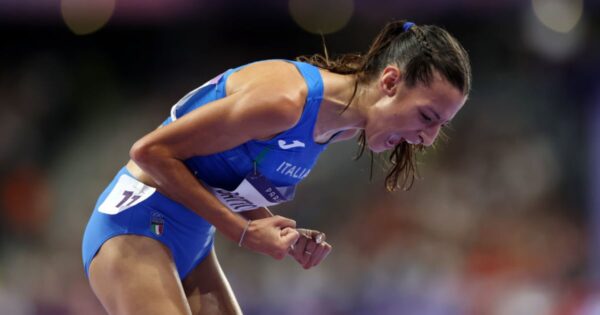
(274, 88)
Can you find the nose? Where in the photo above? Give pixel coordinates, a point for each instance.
(429, 135)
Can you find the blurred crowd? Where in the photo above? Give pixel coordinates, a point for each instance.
(500, 223)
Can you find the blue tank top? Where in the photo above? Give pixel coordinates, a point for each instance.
(284, 159)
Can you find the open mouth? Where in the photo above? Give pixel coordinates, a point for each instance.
(409, 142)
(418, 141)
(393, 142)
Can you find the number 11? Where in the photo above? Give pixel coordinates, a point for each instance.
(126, 195)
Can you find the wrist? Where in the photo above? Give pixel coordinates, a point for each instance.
(232, 226)
(241, 241)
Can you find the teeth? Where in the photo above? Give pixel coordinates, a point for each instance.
(416, 142)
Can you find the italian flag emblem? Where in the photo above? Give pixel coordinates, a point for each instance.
(158, 224)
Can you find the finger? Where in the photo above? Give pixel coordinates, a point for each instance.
(283, 222)
(289, 237)
(298, 251)
(319, 237)
(308, 251)
(326, 250)
(305, 233)
(316, 257)
(286, 231)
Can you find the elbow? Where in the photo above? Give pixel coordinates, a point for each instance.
(143, 152)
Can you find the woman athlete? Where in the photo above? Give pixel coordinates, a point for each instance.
(242, 142)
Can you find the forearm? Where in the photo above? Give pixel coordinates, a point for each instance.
(174, 180)
(259, 213)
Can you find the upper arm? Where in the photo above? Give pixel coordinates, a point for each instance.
(257, 108)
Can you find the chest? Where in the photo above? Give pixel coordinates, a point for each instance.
(284, 161)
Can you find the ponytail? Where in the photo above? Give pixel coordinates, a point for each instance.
(419, 51)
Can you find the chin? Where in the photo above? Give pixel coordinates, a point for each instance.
(377, 149)
(375, 145)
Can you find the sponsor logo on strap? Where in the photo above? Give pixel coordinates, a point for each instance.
(294, 144)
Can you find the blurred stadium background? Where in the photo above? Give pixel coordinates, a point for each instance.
(506, 220)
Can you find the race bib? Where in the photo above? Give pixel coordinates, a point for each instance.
(253, 192)
(126, 193)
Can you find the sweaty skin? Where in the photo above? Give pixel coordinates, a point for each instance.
(258, 105)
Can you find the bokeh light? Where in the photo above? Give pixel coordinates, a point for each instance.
(506, 218)
(550, 43)
(558, 15)
(26, 200)
(321, 16)
(86, 17)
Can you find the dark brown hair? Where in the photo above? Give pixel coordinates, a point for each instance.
(417, 49)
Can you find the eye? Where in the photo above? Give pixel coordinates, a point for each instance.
(425, 118)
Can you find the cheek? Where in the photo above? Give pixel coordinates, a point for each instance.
(387, 118)
(412, 121)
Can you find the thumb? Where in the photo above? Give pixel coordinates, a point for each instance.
(289, 236)
(283, 222)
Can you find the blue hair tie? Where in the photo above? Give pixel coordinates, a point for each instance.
(407, 26)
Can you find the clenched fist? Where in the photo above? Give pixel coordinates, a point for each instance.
(310, 248)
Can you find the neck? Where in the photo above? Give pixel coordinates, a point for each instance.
(332, 117)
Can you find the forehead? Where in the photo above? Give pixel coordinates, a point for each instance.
(441, 95)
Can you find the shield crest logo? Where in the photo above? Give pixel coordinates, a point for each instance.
(158, 224)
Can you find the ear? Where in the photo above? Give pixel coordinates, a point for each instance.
(389, 81)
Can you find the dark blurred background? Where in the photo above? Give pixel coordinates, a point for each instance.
(506, 220)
